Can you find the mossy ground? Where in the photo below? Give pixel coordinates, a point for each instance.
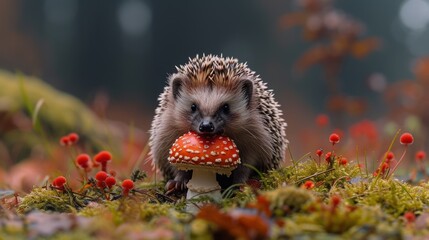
(343, 203)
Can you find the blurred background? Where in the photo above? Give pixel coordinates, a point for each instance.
(126, 48)
(351, 62)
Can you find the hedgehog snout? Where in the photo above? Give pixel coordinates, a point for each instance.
(206, 126)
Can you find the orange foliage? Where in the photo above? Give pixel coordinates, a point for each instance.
(240, 226)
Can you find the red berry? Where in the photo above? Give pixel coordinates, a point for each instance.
(59, 182)
(83, 160)
(309, 184)
(410, 217)
(406, 139)
(343, 161)
(334, 138)
(322, 120)
(384, 167)
(65, 141)
(319, 152)
(128, 184)
(73, 137)
(103, 156)
(420, 155)
(328, 156)
(389, 156)
(110, 181)
(101, 176)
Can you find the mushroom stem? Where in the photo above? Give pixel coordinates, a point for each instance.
(104, 166)
(202, 183)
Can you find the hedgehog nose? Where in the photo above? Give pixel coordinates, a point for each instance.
(206, 127)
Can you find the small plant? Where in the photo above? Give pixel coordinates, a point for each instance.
(127, 186)
(102, 158)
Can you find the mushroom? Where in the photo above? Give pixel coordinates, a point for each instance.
(127, 185)
(103, 157)
(205, 156)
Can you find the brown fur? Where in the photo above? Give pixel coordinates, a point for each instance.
(255, 125)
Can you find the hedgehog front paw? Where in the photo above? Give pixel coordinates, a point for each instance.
(178, 185)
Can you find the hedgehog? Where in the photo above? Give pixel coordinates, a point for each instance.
(215, 95)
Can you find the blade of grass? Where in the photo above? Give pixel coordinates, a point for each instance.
(34, 116)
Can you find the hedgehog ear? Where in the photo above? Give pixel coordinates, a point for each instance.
(176, 85)
(247, 89)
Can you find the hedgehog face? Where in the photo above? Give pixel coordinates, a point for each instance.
(211, 109)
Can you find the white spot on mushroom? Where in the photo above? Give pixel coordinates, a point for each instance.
(231, 147)
(195, 159)
(224, 142)
(218, 160)
(170, 152)
(239, 160)
(226, 149)
(213, 153)
(220, 137)
(196, 152)
(180, 156)
(222, 152)
(234, 155)
(187, 158)
(190, 150)
(207, 155)
(177, 154)
(203, 158)
(206, 146)
(217, 147)
(209, 163)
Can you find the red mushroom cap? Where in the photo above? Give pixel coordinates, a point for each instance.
(101, 176)
(73, 137)
(83, 160)
(128, 184)
(103, 156)
(389, 156)
(218, 153)
(59, 181)
(110, 181)
(406, 139)
(420, 155)
(334, 138)
(65, 141)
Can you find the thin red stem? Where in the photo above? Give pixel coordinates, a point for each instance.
(399, 161)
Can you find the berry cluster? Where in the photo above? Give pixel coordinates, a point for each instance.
(103, 182)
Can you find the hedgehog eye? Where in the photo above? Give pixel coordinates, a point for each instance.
(225, 108)
(193, 107)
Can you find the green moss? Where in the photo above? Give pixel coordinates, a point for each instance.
(286, 200)
(126, 210)
(393, 196)
(46, 200)
(324, 176)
